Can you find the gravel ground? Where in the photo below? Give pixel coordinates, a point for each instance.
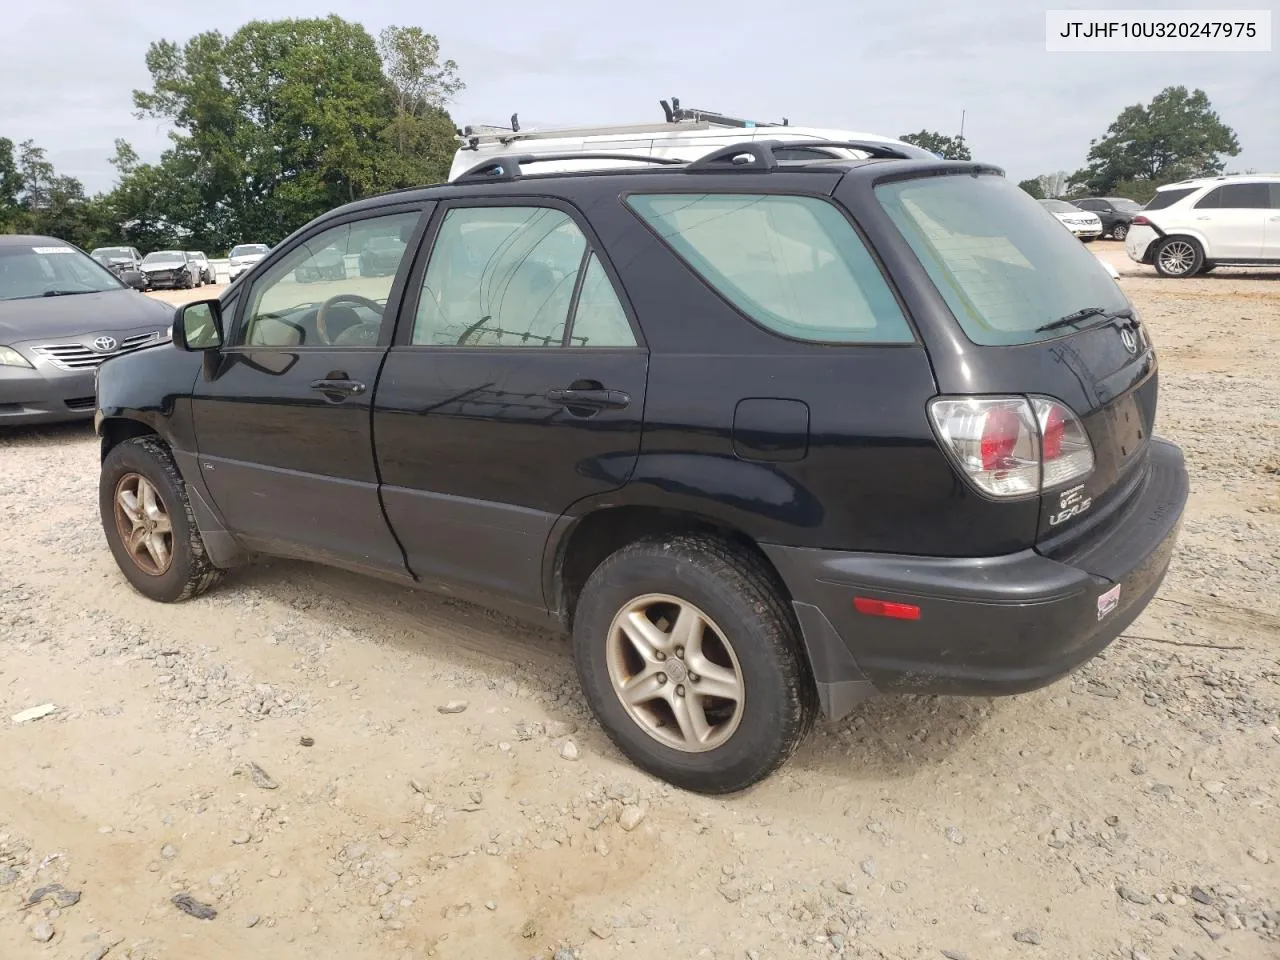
(338, 767)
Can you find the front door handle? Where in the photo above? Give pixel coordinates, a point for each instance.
(600, 399)
(337, 389)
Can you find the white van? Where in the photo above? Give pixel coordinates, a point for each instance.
(686, 135)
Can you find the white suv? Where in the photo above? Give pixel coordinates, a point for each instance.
(1194, 226)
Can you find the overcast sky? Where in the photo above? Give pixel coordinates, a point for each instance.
(68, 68)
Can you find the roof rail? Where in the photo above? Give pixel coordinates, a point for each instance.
(510, 167)
(474, 135)
(757, 155)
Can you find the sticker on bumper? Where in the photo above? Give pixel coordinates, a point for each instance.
(1108, 601)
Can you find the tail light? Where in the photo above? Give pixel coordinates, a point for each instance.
(1139, 221)
(1013, 446)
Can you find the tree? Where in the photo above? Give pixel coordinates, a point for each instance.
(1033, 187)
(952, 148)
(1178, 135)
(421, 130)
(282, 121)
(10, 186)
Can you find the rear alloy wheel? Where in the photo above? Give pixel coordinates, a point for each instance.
(1178, 257)
(689, 656)
(1119, 231)
(148, 523)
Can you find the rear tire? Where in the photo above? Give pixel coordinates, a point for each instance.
(1178, 257)
(148, 523)
(745, 642)
(1119, 231)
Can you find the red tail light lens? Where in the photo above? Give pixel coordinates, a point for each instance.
(1139, 221)
(1013, 446)
(999, 438)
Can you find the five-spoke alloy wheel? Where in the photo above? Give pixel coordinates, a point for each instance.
(143, 524)
(690, 657)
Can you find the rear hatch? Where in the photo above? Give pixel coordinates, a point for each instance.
(1043, 320)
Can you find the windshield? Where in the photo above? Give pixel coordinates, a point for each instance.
(248, 249)
(1127, 206)
(122, 253)
(1059, 206)
(1002, 268)
(164, 256)
(54, 270)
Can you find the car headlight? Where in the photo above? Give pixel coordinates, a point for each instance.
(10, 357)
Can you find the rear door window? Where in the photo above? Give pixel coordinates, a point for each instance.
(792, 264)
(1003, 267)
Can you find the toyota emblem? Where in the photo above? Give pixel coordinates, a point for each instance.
(105, 344)
(1130, 341)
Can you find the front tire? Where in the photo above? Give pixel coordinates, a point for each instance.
(1178, 257)
(690, 659)
(148, 523)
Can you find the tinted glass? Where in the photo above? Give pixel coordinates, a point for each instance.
(1167, 198)
(500, 276)
(165, 256)
(1003, 267)
(55, 269)
(792, 264)
(1246, 196)
(1126, 206)
(284, 305)
(598, 319)
(1275, 196)
(1091, 204)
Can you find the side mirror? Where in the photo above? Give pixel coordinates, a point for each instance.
(198, 326)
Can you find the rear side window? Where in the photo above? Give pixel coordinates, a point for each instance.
(1167, 198)
(792, 264)
(1001, 265)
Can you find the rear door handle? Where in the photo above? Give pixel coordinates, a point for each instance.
(337, 389)
(603, 399)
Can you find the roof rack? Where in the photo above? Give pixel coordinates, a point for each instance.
(688, 118)
(757, 155)
(510, 167)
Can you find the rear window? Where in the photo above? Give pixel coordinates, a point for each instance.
(792, 264)
(1167, 198)
(1002, 266)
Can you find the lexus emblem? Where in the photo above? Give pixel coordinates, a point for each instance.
(107, 344)
(1130, 341)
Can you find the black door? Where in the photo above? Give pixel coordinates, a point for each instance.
(515, 388)
(283, 425)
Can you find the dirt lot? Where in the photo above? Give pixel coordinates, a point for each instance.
(1128, 812)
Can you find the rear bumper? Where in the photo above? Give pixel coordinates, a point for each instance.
(987, 625)
(1139, 244)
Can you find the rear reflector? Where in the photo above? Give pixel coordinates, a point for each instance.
(884, 608)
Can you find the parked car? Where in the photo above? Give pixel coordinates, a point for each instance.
(243, 256)
(171, 270)
(124, 262)
(326, 264)
(1194, 226)
(381, 256)
(1116, 213)
(1085, 225)
(61, 314)
(201, 261)
(758, 462)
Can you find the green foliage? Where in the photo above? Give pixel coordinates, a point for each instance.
(952, 148)
(282, 121)
(10, 186)
(1033, 187)
(1178, 135)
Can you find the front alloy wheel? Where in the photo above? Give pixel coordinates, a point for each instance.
(143, 524)
(675, 673)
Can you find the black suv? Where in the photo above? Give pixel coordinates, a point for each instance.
(765, 435)
(1116, 214)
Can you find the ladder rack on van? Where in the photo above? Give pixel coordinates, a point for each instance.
(474, 136)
